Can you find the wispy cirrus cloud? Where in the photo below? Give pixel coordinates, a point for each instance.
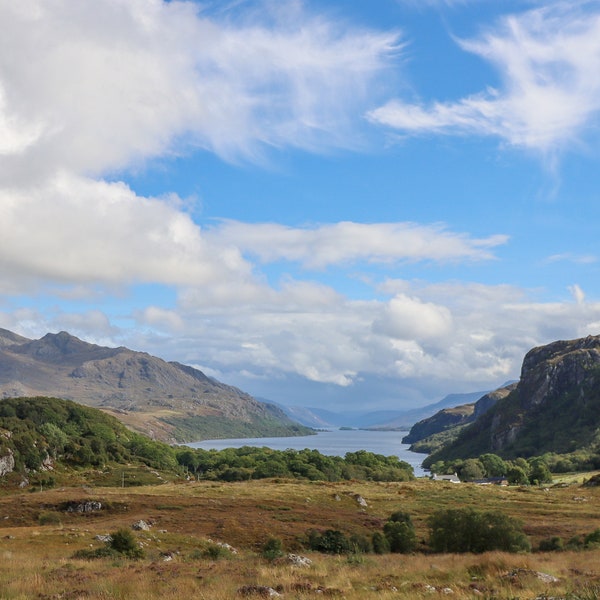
(547, 58)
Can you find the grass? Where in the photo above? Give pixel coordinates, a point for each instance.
(38, 542)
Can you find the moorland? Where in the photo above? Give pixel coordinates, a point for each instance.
(206, 540)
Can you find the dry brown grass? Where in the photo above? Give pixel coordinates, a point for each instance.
(36, 561)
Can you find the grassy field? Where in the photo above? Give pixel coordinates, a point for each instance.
(38, 539)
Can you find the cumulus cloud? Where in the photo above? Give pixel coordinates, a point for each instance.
(447, 336)
(323, 245)
(74, 230)
(409, 318)
(547, 59)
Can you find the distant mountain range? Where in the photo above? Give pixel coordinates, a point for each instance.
(396, 420)
(166, 400)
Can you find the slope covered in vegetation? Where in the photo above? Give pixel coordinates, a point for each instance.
(40, 434)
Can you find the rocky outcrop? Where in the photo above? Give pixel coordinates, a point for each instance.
(7, 463)
(555, 407)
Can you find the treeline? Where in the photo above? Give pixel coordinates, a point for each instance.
(238, 464)
(520, 471)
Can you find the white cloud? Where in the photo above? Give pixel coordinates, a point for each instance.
(578, 294)
(99, 86)
(323, 245)
(73, 230)
(580, 259)
(411, 319)
(548, 59)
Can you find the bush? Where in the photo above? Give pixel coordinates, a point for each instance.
(380, 543)
(553, 544)
(216, 551)
(124, 542)
(467, 530)
(592, 540)
(272, 549)
(49, 518)
(400, 533)
(330, 541)
(359, 544)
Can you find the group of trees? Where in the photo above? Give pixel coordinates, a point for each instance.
(520, 471)
(238, 464)
(457, 530)
(39, 429)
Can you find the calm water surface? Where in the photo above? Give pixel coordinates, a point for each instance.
(332, 443)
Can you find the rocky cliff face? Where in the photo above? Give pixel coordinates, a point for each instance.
(451, 418)
(556, 369)
(555, 407)
(147, 393)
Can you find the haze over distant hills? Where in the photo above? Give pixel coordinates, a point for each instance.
(166, 400)
(399, 420)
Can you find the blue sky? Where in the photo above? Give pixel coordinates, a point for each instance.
(330, 203)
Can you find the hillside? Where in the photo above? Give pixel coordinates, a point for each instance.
(42, 434)
(555, 407)
(444, 427)
(165, 400)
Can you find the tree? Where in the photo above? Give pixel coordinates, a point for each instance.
(539, 471)
(471, 469)
(517, 476)
(400, 533)
(467, 530)
(493, 465)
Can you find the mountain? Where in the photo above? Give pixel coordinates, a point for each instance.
(428, 435)
(555, 407)
(166, 400)
(395, 420)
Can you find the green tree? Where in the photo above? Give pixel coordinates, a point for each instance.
(515, 475)
(471, 469)
(493, 465)
(400, 533)
(539, 471)
(272, 548)
(467, 530)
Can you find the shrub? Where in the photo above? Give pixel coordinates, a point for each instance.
(468, 530)
(592, 540)
(124, 542)
(330, 541)
(553, 544)
(380, 543)
(359, 544)
(400, 533)
(216, 551)
(272, 548)
(49, 518)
